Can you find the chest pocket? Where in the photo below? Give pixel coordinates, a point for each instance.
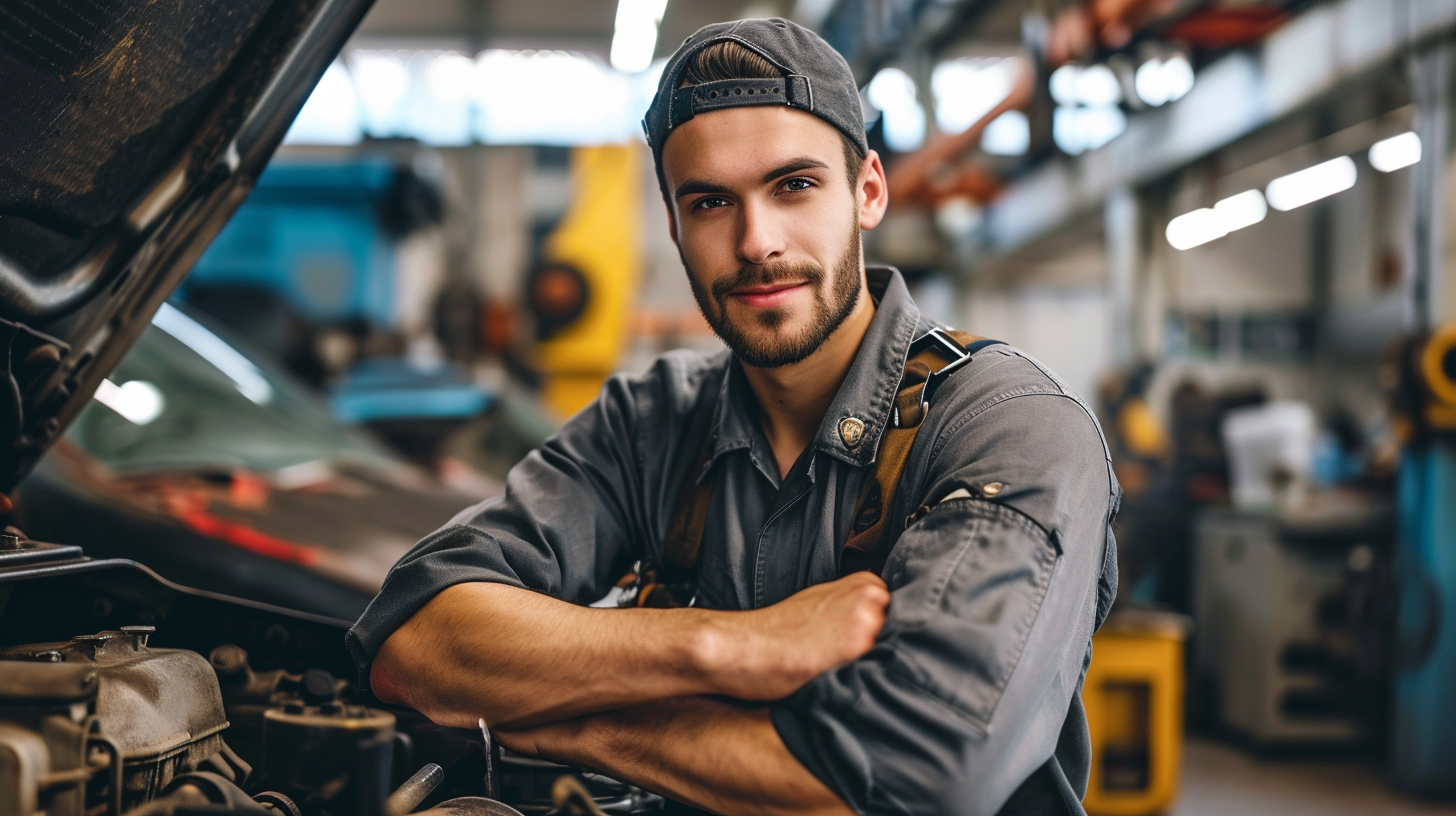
(972, 576)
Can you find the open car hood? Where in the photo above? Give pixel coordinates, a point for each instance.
(129, 133)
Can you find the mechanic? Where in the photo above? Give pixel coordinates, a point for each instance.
(792, 683)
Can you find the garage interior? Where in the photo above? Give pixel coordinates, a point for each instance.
(1224, 223)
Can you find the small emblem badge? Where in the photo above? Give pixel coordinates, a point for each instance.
(992, 489)
(851, 430)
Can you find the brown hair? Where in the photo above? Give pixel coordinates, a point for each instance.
(731, 60)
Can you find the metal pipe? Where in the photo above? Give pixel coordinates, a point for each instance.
(414, 790)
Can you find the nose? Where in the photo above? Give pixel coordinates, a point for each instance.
(762, 238)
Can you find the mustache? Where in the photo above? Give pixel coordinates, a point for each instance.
(767, 275)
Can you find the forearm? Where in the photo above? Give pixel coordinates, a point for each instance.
(518, 657)
(717, 755)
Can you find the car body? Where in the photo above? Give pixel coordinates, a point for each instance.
(206, 461)
(131, 131)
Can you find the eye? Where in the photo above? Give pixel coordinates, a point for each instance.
(795, 185)
(710, 203)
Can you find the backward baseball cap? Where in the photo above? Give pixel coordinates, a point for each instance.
(816, 79)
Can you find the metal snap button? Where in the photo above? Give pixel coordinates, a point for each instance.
(992, 489)
(851, 430)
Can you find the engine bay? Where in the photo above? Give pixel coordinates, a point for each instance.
(121, 693)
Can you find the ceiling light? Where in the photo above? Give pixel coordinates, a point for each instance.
(1094, 86)
(1177, 77)
(1077, 130)
(1242, 210)
(1008, 135)
(1396, 152)
(138, 401)
(1097, 86)
(1160, 81)
(1195, 229)
(1211, 223)
(1063, 84)
(635, 36)
(1311, 184)
(966, 89)
(1148, 83)
(893, 92)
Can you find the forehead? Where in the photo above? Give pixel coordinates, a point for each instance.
(742, 143)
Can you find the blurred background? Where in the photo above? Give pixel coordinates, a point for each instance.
(1225, 223)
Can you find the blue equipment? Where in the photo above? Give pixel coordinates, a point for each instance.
(1423, 733)
(312, 232)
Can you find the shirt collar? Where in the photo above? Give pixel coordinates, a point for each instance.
(867, 393)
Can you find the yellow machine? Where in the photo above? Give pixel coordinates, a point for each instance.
(584, 289)
(1134, 700)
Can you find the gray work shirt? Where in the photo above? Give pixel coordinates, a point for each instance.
(969, 703)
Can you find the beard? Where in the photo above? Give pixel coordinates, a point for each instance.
(762, 341)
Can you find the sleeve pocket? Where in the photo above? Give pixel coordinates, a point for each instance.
(967, 581)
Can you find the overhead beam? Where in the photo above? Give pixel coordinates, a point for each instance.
(1235, 96)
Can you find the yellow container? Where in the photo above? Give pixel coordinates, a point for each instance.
(1134, 700)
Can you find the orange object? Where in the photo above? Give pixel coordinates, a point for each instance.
(250, 538)
(1134, 700)
(1227, 26)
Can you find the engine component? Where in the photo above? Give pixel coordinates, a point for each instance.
(108, 724)
(157, 712)
(248, 694)
(47, 715)
(329, 758)
(202, 791)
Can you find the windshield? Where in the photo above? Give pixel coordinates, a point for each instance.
(185, 398)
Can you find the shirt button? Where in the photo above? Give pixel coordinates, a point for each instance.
(992, 489)
(851, 430)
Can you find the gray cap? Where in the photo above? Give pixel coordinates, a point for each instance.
(816, 80)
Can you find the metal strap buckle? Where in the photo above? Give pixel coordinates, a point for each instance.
(940, 342)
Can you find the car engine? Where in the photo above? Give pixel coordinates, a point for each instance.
(206, 704)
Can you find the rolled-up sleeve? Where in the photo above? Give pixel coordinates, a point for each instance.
(993, 603)
(571, 519)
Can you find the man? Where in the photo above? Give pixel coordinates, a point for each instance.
(950, 685)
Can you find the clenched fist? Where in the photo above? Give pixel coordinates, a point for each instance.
(769, 653)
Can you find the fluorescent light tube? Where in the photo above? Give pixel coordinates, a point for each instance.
(1195, 229)
(1388, 155)
(635, 35)
(1242, 210)
(1211, 223)
(1311, 184)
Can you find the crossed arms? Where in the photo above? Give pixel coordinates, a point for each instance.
(669, 699)
(942, 702)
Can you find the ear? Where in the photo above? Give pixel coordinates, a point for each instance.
(873, 192)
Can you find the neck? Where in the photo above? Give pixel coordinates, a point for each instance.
(794, 398)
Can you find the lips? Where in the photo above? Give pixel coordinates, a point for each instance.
(766, 296)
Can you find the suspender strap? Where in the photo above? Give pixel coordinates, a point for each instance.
(674, 583)
(689, 518)
(933, 357)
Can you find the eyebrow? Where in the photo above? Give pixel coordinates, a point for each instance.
(797, 165)
(794, 166)
(695, 186)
